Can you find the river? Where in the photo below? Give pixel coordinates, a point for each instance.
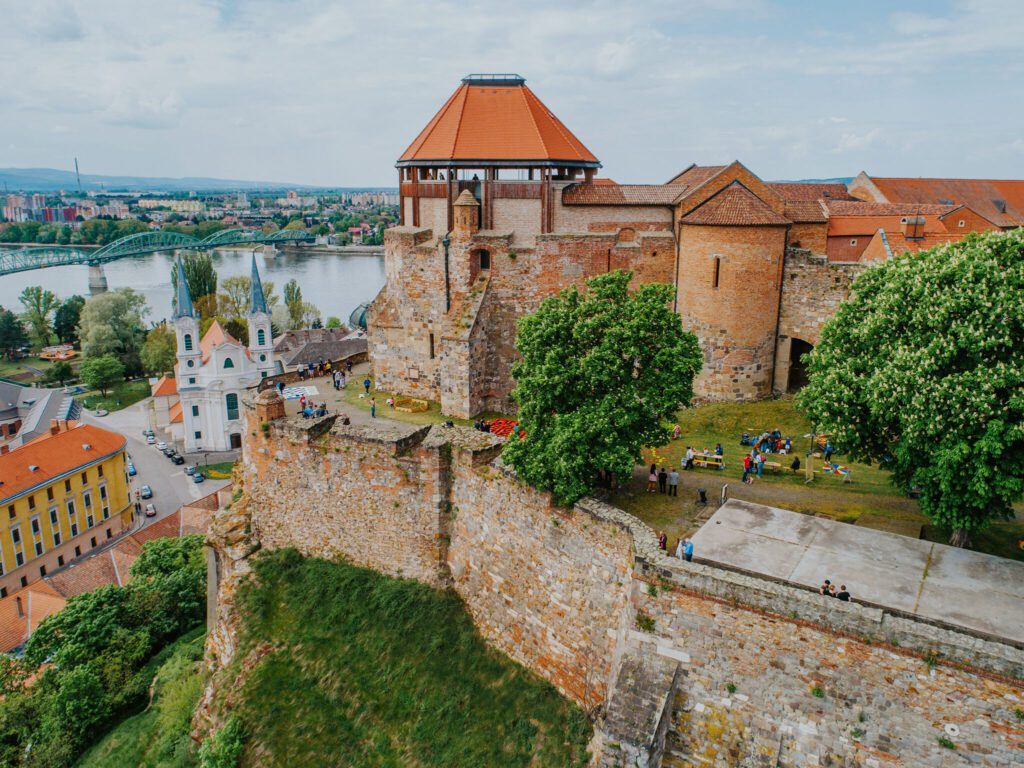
(335, 283)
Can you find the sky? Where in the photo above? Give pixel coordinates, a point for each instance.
(331, 93)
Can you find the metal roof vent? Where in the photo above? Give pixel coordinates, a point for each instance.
(33, 468)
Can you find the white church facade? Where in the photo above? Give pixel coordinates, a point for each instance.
(214, 370)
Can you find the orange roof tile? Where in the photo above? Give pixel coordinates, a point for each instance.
(215, 336)
(860, 208)
(54, 456)
(85, 575)
(167, 385)
(805, 211)
(807, 191)
(1001, 201)
(38, 601)
(496, 119)
(619, 194)
(175, 413)
(735, 205)
(695, 175)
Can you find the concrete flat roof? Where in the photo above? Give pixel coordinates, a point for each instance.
(935, 581)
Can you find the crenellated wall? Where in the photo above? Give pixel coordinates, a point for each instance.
(730, 669)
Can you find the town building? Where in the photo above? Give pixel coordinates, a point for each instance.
(214, 369)
(27, 412)
(501, 207)
(63, 494)
(317, 345)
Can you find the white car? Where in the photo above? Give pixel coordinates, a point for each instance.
(150, 440)
(150, 510)
(161, 446)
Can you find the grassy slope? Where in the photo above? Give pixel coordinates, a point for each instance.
(159, 736)
(123, 394)
(372, 671)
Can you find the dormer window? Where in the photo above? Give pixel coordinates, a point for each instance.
(229, 363)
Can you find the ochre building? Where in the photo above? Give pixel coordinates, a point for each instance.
(502, 207)
(62, 495)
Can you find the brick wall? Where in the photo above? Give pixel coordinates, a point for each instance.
(520, 217)
(735, 321)
(610, 218)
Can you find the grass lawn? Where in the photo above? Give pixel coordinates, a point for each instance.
(123, 394)
(20, 369)
(159, 736)
(364, 670)
(869, 494)
(220, 470)
(353, 389)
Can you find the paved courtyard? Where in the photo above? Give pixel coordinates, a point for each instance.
(958, 586)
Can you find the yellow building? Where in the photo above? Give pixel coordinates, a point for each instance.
(61, 495)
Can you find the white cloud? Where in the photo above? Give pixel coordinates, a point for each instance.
(850, 140)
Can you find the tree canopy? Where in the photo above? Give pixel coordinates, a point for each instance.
(923, 368)
(101, 372)
(65, 319)
(601, 373)
(12, 333)
(160, 351)
(112, 324)
(39, 304)
(201, 278)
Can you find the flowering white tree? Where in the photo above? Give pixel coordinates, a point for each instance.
(923, 367)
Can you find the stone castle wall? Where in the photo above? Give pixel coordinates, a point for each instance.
(730, 670)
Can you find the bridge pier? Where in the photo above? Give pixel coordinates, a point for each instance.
(97, 280)
(270, 251)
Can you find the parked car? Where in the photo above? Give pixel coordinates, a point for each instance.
(169, 451)
(198, 477)
(131, 470)
(150, 439)
(161, 446)
(148, 433)
(191, 469)
(150, 510)
(179, 460)
(146, 492)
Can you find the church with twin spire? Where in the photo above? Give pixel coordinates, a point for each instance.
(214, 369)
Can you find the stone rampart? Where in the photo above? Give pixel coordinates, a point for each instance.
(738, 668)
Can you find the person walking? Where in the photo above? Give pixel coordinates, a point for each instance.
(373, 408)
(652, 479)
(760, 464)
(688, 459)
(348, 365)
(688, 550)
(662, 480)
(746, 469)
(673, 482)
(366, 384)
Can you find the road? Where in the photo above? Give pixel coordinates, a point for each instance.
(172, 488)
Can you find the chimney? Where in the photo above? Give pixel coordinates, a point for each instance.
(54, 426)
(21, 608)
(4, 449)
(912, 227)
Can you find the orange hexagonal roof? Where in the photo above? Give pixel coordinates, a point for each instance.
(493, 118)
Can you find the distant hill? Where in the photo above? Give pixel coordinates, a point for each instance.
(51, 180)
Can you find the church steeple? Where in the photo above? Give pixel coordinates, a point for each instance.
(257, 301)
(183, 304)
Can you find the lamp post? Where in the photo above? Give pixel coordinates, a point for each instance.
(447, 287)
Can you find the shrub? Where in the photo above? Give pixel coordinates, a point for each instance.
(223, 748)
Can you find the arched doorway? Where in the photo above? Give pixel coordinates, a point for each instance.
(798, 364)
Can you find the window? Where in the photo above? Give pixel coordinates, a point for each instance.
(229, 363)
(88, 499)
(718, 272)
(188, 342)
(195, 410)
(109, 534)
(60, 560)
(191, 364)
(103, 492)
(263, 359)
(35, 526)
(89, 521)
(485, 259)
(961, 223)
(903, 220)
(10, 512)
(24, 581)
(56, 537)
(93, 542)
(192, 380)
(42, 570)
(67, 486)
(39, 548)
(3, 591)
(78, 551)
(431, 346)
(16, 535)
(261, 337)
(49, 494)
(853, 242)
(99, 470)
(106, 511)
(198, 435)
(85, 478)
(19, 559)
(231, 400)
(31, 502)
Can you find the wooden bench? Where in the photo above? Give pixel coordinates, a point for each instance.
(713, 461)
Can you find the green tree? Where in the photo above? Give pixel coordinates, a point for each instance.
(235, 294)
(601, 373)
(59, 373)
(159, 352)
(165, 557)
(66, 318)
(293, 300)
(112, 324)
(921, 368)
(39, 305)
(295, 224)
(101, 372)
(80, 703)
(12, 333)
(334, 322)
(201, 278)
(223, 749)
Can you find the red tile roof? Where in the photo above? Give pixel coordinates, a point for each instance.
(1000, 201)
(86, 575)
(805, 211)
(38, 601)
(175, 413)
(167, 385)
(808, 191)
(842, 226)
(496, 122)
(860, 208)
(695, 175)
(735, 205)
(54, 455)
(619, 194)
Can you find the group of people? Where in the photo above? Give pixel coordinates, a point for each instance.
(310, 410)
(322, 368)
(828, 589)
(684, 547)
(768, 442)
(662, 481)
(482, 425)
(691, 454)
(339, 379)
